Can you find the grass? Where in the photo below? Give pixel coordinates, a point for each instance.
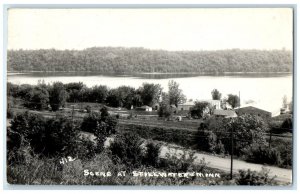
(44, 171)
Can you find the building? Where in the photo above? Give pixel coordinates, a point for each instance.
(224, 113)
(216, 104)
(253, 111)
(144, 108)
(185, 106)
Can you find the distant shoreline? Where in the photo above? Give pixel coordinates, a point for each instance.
(146, 73)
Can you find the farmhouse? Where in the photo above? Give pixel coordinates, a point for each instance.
(224, 113)
(253, 111)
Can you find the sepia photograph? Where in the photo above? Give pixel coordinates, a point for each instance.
(170, 96)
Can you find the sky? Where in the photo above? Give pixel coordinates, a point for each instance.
(167, 29)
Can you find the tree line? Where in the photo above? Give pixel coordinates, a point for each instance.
(45, 96)
(42, 95)
(136, 60)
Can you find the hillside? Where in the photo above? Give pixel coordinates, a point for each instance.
(137, 60)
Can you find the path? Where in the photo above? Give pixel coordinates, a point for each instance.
(282, 174)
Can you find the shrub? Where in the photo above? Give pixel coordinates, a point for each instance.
(165, 110)
(285, 148)
(37, 98)
(57, 95)
(287, 124)
(262, 154)
(219, 149)
(206, 140)
(86, 149)
(255, 178)
(126, 149)
(247, 128)
(49, 137)
(178, 161)
(151, 157)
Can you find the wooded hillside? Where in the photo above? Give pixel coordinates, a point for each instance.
(136, 60)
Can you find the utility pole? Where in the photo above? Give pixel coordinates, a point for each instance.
(270, 139)
(231, 159)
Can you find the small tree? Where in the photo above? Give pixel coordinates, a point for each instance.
(249, 129)
(205, 140)
(126, 148)
(48, 137)
(165, 111)
(175, 94)
(248, 177)
(151, 157)
(233, 100)
(58, 96)
(150, 93)
(101, 125)
(37, 98)
(198, 109)
(216, 95)
(98, 94)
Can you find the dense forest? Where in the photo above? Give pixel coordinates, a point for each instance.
(137, 60)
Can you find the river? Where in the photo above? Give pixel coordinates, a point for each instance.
(262, 90)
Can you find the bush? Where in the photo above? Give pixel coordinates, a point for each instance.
(37, 98)
(255, 178)
(151, 157)
(57, 95)
(206, 140)
(287, 124)
(165, 110)
(262, 154)
(182, 162)
(219, 149)
(247, 128)
(86, 149)
(126, 149)
(48, 137)
(285, 148)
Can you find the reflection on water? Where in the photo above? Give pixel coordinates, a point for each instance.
(266, 90)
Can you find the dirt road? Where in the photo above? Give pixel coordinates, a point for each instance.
(283, 175)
